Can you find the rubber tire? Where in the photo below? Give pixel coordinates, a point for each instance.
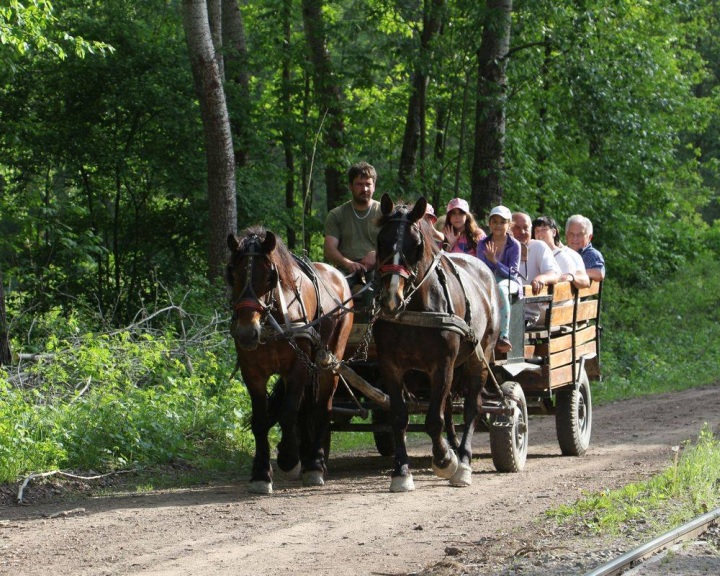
(573, 418)
(509, 443)
(384, 441)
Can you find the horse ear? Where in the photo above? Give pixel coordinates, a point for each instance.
(418, 210)
(269, 243)
(386, 204)
(233, 243)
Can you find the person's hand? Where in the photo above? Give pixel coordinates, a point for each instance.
(537, 285)
(354, 267)
(450, 236)
(368, 261)
(491, 252)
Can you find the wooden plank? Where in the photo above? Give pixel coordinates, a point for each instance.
(565, 357)
(562, 291)
(591, 290)
(561, 376)
(563, 315)
(564, 342)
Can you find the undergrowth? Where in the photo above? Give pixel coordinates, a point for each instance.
(661, 338)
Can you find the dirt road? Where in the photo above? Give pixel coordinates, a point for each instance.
(353, 525)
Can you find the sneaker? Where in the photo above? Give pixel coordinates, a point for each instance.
(503, 345)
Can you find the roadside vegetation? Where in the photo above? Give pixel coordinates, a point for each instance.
(157, 395)
(688, 488)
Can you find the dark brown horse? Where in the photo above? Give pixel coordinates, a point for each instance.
(284, 311)
(438, 316)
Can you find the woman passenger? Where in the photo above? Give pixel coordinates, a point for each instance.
(462, 233)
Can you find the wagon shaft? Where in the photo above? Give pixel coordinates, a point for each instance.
(326, 361)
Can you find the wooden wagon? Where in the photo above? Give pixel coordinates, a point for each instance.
(547, 372)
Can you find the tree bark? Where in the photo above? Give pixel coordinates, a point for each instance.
(237, 73)
(5, 352)
(287, 138)
(329, 100)
(415, 120)
(489, 157)
(222, 202)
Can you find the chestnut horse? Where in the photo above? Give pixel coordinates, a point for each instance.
(438, 316)
(284, 311)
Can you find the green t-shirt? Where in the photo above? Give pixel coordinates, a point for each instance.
(356, 231)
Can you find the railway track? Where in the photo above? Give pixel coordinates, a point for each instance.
(641, 559)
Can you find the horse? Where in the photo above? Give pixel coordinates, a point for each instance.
(283, 311)
(438, 315)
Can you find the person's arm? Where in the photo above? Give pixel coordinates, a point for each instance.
(544, 279)
(579, 278)
(335, 257)
(597, 274)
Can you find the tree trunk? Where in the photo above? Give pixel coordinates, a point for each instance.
(287, 138)
(222, 202)
(236, 72)
(415, 120)
(461, 138)
(489, 157)
(328, 96)
(5, 352)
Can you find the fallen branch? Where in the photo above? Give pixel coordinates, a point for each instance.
(59, 472)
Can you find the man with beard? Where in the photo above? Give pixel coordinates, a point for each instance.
(351, 229)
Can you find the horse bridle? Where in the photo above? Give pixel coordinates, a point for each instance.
(252, 300)
(401, 266)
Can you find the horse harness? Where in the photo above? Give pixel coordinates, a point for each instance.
(275, 300)
(442, 320)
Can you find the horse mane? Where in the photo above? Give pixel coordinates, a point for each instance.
(281, 256)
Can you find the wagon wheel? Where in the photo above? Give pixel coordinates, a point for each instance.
(509, 433)
(384, 440)
(573, 417)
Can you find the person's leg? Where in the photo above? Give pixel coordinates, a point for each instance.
(504, 309)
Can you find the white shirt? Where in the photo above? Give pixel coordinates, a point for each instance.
(568, 260)
(539, 261)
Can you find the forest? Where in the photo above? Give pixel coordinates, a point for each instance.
(134, 136)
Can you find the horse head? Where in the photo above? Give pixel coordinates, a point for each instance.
(402, 245)
(252, 276)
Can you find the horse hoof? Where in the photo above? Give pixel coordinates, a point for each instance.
(313, 478)
(463, 476)
(449, 470)
(402, 484)
(260, 487)
(293, 474)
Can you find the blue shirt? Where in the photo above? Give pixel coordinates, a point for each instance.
(592, 258)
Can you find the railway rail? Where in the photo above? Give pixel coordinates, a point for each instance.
(643, 555)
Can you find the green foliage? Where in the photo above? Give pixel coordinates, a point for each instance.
(685, 490)
(661, 338)
(156, 392)
(34, 25)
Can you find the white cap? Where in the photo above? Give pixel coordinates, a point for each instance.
(502, 211)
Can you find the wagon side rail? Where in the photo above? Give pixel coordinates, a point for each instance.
(567, 341)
